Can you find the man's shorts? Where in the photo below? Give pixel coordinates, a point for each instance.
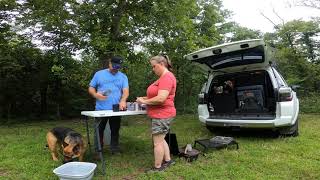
(161, 126)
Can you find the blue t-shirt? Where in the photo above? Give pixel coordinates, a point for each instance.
(111, 84)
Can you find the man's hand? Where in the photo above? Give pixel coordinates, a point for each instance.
(100, 96)
(122, 105)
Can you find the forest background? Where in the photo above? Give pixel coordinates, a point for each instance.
(50, 49)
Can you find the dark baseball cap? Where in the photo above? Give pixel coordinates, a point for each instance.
(116, 62)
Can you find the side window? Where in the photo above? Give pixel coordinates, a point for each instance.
(281, 82)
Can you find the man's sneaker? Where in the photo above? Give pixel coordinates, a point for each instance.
(168, 163)
(115, 150)
(154, 169)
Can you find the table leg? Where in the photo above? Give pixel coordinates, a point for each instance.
(88, 133)
(96, 126)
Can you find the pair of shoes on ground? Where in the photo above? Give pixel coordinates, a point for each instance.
(113, 150)
(164, 165)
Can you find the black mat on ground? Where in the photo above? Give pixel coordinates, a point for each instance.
(217, 142)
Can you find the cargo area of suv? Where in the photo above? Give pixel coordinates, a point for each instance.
(246, 94)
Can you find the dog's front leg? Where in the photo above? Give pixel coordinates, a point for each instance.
(54, 155)
(52, 145)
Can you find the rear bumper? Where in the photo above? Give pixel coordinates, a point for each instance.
(274, 123)
(241, 124)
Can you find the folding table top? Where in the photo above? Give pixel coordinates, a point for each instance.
(109, 113)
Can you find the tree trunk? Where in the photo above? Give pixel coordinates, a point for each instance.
(114, 34)
(183, 97)
(58, 111)
(43, 100)
(9, 111)
(116, 19)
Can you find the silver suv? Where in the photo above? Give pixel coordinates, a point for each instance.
(244, 89)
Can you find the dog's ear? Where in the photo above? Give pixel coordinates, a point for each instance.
(79, 148)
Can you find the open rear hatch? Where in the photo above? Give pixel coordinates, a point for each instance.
(231, 56)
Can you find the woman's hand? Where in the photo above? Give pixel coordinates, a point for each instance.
(141, 100)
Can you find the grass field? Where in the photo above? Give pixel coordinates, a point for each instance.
(261, 156)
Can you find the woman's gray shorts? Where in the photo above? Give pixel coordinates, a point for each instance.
(161, 126)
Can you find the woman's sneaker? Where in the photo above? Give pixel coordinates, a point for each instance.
(168, 163)
(154, 169)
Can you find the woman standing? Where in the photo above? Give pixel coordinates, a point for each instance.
(160, 108)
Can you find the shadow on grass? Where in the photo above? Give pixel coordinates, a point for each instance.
(128, 144)
(243, 132)
(136, 155)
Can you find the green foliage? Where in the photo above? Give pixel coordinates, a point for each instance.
(140, 75)
(298, 59)
(54, 22)
(297, 53)
(18, 64)
(309, 102)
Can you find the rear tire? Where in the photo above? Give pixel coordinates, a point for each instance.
(291, 130)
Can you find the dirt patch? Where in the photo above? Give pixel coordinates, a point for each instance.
(4, 173)
(130, 176)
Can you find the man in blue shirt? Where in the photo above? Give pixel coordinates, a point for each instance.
(110, 86)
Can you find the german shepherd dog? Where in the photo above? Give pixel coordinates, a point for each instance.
(71, 143)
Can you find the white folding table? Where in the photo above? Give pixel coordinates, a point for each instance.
(96, 116)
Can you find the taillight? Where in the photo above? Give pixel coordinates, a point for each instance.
(285, 94)
(202, 99)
